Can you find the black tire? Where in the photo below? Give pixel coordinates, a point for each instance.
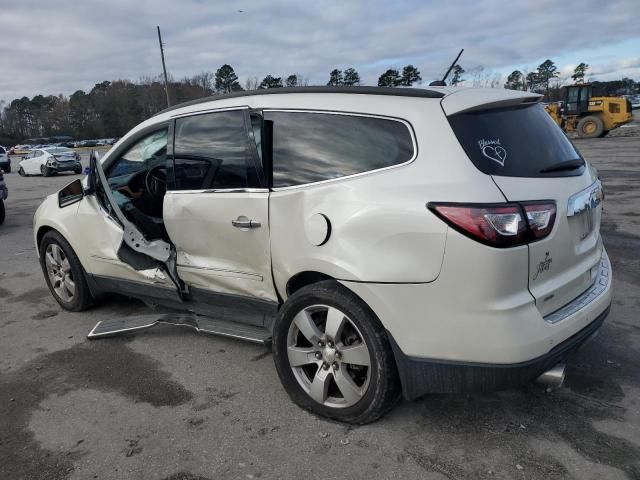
(77, 171)
(383, 389)
(21, 172)
(590, 127)
(8, 169)
(82, 298)
(1, 211)
(604, 134)
(44, 171)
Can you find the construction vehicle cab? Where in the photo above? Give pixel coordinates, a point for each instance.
(587, 115)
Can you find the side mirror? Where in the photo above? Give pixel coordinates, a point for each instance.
(70, 194)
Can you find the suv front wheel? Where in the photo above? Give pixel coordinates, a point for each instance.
(333, 355)
(63, 272)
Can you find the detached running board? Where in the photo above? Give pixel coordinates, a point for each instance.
(199, 323)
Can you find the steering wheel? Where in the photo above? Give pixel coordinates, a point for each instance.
(155, 181)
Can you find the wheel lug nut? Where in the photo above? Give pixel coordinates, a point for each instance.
(336, 366)
(330, 344)
(338, 355)
(325, 366)
(318, 355)
(321, 344)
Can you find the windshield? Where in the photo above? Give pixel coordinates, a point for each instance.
(515, 142)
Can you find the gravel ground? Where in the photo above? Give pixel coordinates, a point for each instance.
(172, 404)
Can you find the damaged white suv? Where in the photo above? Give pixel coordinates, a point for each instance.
(385, 241)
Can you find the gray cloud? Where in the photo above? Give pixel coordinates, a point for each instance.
(67, 45)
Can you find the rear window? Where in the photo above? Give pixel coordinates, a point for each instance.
(59, 150)
(514, 142)
(310, 147)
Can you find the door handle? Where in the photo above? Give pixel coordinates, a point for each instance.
(244, 222)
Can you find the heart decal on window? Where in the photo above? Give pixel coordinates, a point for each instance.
(495, 153)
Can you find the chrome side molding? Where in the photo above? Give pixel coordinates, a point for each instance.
(586, 199)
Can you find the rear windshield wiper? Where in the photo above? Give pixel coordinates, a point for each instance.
(568, 165)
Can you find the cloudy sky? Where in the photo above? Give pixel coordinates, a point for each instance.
(59, 47)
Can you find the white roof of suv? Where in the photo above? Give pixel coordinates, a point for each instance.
(455, 99)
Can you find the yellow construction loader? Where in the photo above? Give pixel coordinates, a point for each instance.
(587, 115)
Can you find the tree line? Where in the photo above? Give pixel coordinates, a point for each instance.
(111, 108)
(547, 80)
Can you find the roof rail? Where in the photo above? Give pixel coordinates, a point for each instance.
(399, 92)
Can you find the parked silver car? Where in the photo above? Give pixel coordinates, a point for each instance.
(5, 161)
(4, 193)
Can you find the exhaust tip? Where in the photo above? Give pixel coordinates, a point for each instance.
(553, 377)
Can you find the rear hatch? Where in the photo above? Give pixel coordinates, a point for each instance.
(62, 155)
(530, 159)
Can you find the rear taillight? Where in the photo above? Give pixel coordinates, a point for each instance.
(540, 218)
(499, 225)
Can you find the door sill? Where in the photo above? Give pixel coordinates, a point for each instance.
(201, 324)
(237, 309)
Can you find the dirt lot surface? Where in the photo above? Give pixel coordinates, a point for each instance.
(172, 404)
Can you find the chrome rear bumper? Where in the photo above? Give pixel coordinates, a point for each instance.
(596, 289)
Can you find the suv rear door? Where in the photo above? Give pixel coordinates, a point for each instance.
(530, 159)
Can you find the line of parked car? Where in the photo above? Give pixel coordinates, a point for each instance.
(48, 159)
(26, 148)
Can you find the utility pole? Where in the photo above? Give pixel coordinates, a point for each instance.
(164, 68)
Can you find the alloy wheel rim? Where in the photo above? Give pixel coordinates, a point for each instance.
(59, 272)
(329, 356)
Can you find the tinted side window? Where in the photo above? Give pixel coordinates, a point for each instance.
(126, 175)
(145, 154)
(311, 147)
(212, 151)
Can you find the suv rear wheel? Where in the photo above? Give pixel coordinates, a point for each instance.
(63, 272)
(333, 356)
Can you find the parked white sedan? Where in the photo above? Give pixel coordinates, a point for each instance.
(49, 161)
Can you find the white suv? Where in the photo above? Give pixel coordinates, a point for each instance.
(384, 240)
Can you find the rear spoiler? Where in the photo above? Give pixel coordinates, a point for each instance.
(473, 99)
